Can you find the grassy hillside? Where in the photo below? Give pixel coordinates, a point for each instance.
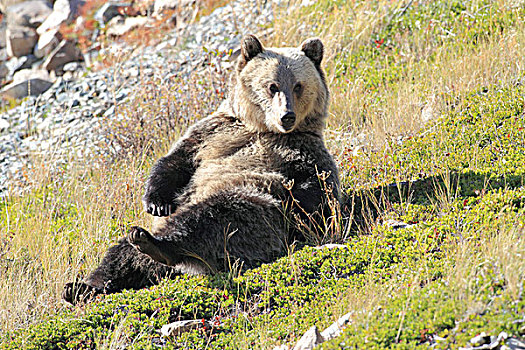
(427, 124)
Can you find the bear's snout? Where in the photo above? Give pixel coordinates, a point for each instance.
(288, 121)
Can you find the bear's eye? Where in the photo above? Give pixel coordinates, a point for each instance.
(298, 88)
(273, 88)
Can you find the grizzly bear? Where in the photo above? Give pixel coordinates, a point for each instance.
(233, 188)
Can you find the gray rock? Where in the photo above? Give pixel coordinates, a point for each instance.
(47, 42)
(309, 340)
(25, 88)
(3, 54)
(4, 4)
(513, 343)
(108, 11)
(28, 13)
(16, 64)
(20, 41)
(4, 70)
(64, 11)
(163, 5)
(484, 341)
(65, 52)
(3, 28)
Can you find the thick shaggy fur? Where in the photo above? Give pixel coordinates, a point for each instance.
(219, 192)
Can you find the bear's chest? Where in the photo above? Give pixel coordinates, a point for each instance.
(260, 161)
(257, 152)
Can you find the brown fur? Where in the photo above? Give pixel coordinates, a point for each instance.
(219, 191)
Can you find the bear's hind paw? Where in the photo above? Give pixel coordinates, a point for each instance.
(145, 243)
(78, 292)
(141, 239)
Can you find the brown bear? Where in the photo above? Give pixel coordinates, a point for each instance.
(232, 187)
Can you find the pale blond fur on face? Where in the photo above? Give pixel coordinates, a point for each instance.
(278, 81)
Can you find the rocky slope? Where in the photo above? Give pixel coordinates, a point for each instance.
(66, 117)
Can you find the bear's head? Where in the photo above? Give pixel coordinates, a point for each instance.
(280, 89)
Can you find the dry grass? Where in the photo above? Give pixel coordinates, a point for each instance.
(51, 234)
(431, 65)
(503, 250)
(61, 226)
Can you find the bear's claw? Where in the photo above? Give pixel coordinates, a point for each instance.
(79, 292)
(160, 210)
(158, 201)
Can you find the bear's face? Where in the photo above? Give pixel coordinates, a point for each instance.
(281, 89)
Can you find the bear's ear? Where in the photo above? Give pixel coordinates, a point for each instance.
(250, 47)
(313, 49)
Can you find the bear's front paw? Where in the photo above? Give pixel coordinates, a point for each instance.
(79, 292)
(158, 205)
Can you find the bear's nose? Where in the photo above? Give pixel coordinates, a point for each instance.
(288, 120)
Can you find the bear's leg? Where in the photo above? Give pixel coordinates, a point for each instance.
(123, 267)
(209, 236)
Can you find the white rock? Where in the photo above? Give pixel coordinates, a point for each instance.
(72, 66)
(121, 27)
(335, 329)
(397, 225)
(47, 42)
(4, 124)
(282, 347)
(331, 246)
(179, 327)
(63, 11)
(108, 11)
(20, 41)
(26, 74)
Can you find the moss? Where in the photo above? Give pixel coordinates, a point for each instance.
(293, 293)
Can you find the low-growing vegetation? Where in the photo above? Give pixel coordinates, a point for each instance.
(428, 121)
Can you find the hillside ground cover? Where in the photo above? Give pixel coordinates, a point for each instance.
(427, 125)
